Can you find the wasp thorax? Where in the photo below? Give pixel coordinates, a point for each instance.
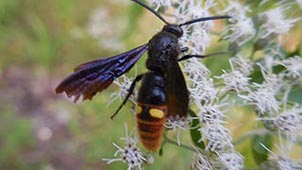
(174, 29)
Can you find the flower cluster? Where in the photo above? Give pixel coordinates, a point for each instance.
(237, 80)
(275, 22)
(261, 74)
(241, 29)
(129, 154)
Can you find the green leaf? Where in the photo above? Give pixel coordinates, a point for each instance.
(295, 95)
(194, 132)
(257, 76)
(260, 153)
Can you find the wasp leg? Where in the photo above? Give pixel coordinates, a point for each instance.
(130, 91)
(199, 56)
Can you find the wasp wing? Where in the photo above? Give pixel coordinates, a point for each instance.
(95, 76)
(177, 92)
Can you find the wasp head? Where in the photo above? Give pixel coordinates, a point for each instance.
(174, 29)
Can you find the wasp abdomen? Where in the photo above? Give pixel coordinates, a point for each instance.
(150, 123)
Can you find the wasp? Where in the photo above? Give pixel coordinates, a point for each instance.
(163, 92)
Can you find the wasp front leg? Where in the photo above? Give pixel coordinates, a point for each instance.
(185, 57)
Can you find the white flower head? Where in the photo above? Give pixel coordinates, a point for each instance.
(241, 28)
(129, 154)
(264, 99)
(203, 91)
(264, 96)
(218, 137)
(201, 163)
(236, 10)
(290, 121)
(275, 22)
(178, 123)
(195, 69)
(211, 113)
(281, 160)
(160, 3)
(195, 36)
(293, 66)
(201, 87)
(231, 161)
(239, 31)
(242, 64)
(272, 81)
(124, 83)
(235, 80)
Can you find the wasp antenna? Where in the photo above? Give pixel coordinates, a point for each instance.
(151, 10)
(205, 19)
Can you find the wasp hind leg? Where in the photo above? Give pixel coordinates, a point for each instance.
(130, 91)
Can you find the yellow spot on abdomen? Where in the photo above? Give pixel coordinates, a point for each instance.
(139, 109)
(157, 113)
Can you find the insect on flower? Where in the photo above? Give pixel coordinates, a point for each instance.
(163, 92)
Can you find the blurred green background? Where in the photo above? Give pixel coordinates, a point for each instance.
(40, 43)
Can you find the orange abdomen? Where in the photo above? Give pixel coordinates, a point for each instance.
(150, 123)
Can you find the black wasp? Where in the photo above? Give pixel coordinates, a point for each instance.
(163, 92)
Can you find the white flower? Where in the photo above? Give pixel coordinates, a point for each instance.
(231, 161)
(245, 66)
(195, 69)
(129, 154)
(264, 96)
(264, 100)
(203, 91)
(211, 113)
(236, 10)
(198, 41)
(293, 66)
(195, 36)
(218, 137)
(281, 160)
(201, 87)
(201, 163)
(235, 80)
(239, 31)
(290, 121)
(160, 3)
(285, 164)
(177, 123)
(275, 22)
(124, 83)
(241, 28)
(274, 82)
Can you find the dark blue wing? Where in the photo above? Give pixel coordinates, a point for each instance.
(95, 76)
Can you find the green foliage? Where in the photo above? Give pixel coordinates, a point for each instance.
(16, 136)
(260, 153)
